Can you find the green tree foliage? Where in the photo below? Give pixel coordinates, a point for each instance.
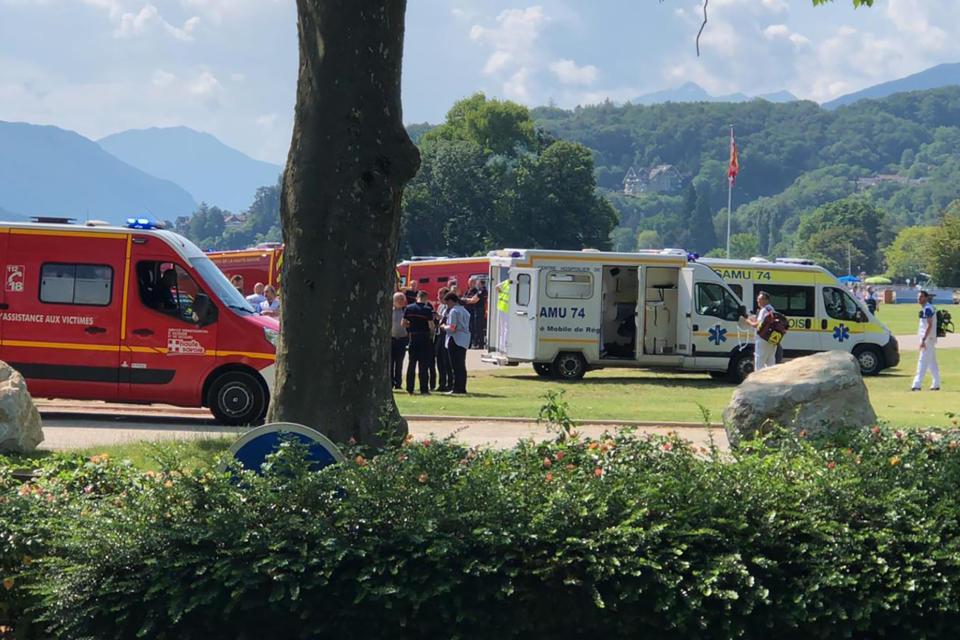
(476, 191)
(944, 248)
(623, 239)
(852, 224)
(206, 225)
(648, 239)
(743, 246)
(908, 255)
(499, 127)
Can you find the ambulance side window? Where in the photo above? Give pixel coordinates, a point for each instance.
(166, 287)
(839, 304)
(790, 300)
(523, 289)
(714, 300)
(569, 285)
(737, 289)
(89, 284)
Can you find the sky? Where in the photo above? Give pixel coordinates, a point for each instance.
(228, 67)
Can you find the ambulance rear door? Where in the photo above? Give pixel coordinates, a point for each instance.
(64, 297)
(521, 336)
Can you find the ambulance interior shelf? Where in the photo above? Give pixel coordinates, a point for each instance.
(660, 304)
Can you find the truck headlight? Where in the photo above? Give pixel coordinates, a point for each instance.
(271, 335)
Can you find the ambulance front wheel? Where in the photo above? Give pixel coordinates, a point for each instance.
(741, 366)
(569, 366)
(543, 369)
(237, 398)
(870, 360)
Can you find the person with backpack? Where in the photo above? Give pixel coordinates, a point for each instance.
(764, 350)
(927, 330)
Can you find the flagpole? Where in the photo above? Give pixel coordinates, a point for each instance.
(729, 202)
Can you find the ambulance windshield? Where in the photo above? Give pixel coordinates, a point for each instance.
(220, 286)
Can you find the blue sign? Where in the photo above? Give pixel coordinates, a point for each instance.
(253, 447)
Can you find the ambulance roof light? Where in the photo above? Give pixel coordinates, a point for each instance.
(141, 223)
(52, 220)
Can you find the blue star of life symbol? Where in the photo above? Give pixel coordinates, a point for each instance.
(717, 334)
(841, 333)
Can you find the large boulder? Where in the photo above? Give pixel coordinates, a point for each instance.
(20, 430)
(818, 393)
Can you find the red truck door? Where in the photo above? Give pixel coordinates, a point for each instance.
(61, 328)
(169, 347)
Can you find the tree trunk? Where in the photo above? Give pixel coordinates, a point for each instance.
(340, 211)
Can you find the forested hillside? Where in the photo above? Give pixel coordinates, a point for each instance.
(793, 157)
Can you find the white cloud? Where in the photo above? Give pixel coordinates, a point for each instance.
(135, 24)
(205, 84)
(163, 78)
(568, 72)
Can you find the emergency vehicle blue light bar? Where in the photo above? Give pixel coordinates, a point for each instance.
(140, 223)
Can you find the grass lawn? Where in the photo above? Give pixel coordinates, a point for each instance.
(636, 394)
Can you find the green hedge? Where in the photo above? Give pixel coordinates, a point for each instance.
(625, 537)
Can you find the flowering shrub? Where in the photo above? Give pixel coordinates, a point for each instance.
(626, 536)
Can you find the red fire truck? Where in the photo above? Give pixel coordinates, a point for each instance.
(257, 264)
(130, 314)
(433, 273)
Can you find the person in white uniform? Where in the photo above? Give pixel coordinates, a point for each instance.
(927, 331)
(764, 353)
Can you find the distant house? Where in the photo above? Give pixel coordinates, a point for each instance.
(663, 178)
(864, 183)
(633, 183)
(234, 219)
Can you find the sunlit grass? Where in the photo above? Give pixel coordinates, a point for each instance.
(637, 394)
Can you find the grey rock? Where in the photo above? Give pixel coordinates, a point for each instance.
(20, 428)
(819, 393)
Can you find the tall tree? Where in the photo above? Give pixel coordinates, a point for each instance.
(908, 254)
(701, 221)
(340, 213)
(944, 248)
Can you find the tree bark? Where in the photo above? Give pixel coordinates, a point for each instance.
(340, 212)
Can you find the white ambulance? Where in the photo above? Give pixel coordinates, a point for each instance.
(570, 311)
(823, 314)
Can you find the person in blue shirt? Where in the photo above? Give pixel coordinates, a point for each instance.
(927, 332)
(457, 329)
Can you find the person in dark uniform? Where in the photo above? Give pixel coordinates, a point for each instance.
(418, 320)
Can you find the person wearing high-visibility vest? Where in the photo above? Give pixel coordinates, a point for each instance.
(503, 296)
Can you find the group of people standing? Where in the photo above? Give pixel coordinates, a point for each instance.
(436, 335)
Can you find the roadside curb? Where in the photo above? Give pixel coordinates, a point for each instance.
(583, 423)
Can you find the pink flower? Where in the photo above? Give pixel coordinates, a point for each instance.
(558, 455)
(548, 477)
(546, 462)
(422, 477)
(831, 464)
(667, 446)
(874, 429)
(425, 441)
(598, 471)
(898, 434)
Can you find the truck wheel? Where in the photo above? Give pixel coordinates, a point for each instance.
(543, 369)
(237, 398)
(870, 360)
(569, 366)
(741, 365)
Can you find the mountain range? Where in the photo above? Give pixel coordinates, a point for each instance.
(211, 171)
(161, 173)
(941, 75)
(692, 92)
(48, 171)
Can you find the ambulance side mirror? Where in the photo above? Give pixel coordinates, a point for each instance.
(205, 310)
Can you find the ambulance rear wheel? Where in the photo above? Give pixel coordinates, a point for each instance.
(237, 398)
(569, 366)
(870, 360)
(543, 369)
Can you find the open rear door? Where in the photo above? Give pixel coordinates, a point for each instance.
(522, 314)
(685, 312)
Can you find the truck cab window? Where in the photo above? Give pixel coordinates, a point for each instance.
(839, 304)
(167, 287)
(715, 300)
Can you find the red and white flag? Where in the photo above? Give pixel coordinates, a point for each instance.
(733, 167)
